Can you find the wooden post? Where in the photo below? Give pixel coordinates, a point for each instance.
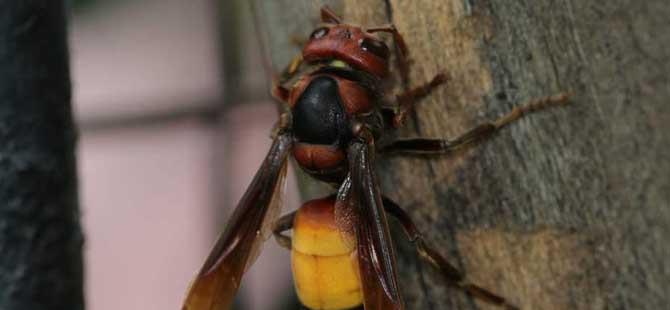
(40, 236)
(566, 209)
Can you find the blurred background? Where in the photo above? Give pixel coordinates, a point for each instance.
(171, 99)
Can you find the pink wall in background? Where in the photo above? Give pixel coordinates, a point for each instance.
(146, 191)
(145, 56)
(153, 195)
(145, 199)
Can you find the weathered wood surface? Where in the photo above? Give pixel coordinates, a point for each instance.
(566, 209)
(40, 236)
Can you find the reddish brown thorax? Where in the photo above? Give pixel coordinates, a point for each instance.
(355, 98)
(349, 62)
(359, 49)
(318, 157)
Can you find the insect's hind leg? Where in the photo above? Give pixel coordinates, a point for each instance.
(283, 224)
(477, 134)
(450, 273)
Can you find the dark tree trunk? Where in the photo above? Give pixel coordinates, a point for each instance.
(40, 235)
(565, 209)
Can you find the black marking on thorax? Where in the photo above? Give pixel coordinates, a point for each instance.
(319, 116)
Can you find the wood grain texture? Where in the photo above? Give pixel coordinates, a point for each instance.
(565, 209)
(40, 235)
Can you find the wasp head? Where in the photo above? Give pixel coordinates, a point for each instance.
(349, 44)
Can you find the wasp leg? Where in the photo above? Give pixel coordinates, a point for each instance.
(283, 224)
(402, 53)
(477, 134)
(453, 276)
(278, 91)
(291, 68)
(328, 16)
(405, 101)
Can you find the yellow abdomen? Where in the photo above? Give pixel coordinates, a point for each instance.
(325, 267)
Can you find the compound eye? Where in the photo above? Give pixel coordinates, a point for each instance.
(376, 47)
(318, 33)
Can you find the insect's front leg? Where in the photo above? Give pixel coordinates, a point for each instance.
(475, 135)
(283, 224)
(402, 52)
(279, 91)
(450, 273)
(404, 102)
